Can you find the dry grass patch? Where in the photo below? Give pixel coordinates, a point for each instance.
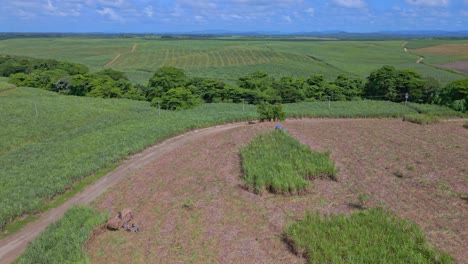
(446, 50)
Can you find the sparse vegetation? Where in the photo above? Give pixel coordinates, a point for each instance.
(280, 164)
(465, 125)
(371, 236)
(63, 241)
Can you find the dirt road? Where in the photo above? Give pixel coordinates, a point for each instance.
(13, 246)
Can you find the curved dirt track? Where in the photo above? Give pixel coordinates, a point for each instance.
(13, 246)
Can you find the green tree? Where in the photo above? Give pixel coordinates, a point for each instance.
(382, 84)
(270, 112)
(255, 81)
(164, 79)
(177, 99)
(455, 95)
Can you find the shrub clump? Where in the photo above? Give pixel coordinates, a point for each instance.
(63, 241)
(371, 236)
(421, 119)
(279, 163)
(271, 112)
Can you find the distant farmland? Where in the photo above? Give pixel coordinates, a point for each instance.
(229, 59)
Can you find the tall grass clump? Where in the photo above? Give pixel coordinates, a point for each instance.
(63, 241)
(421, 119)
(371, 236)
(279, 163)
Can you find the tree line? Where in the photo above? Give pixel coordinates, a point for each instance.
(170, 87)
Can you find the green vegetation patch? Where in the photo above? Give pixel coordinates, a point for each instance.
(421, 119)
(63, 241)
(347, 109)
(371, 236)
(4, 85)
(280, 164)
(435, 110)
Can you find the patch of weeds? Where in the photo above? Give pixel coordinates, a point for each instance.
(465, 125)
(361, 204)
(410, 167)
(422, 119)
(278, 163)
(398, 174)
(427, 155)
(463, 196)
(188, 204)
(370, 236)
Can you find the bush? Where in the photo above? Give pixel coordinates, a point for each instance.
(271, 112)
(372, 236)
(277, 162)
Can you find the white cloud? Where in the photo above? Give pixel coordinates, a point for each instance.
(350, 3)
(109, 12)
(288, 19)
(148, 11)
(433, 3)
(310, 11)
(63, 8)
(112, 3)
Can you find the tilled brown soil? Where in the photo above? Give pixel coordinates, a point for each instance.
(191, 207)
(461, 66)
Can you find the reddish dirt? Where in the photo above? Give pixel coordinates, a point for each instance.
(191, 207)
(461, 66)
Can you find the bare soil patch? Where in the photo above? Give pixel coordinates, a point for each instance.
(191, 206)
(461, 66)
(446, 49)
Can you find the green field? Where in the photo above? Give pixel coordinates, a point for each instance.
(49, 141)
(229, 59)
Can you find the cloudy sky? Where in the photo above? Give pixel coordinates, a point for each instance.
(157, 16)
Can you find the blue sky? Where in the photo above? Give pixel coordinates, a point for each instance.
(156, 16)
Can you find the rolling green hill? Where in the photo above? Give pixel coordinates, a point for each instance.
(229, 59)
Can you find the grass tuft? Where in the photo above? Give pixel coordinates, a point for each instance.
(280, 164)
(371, 236)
